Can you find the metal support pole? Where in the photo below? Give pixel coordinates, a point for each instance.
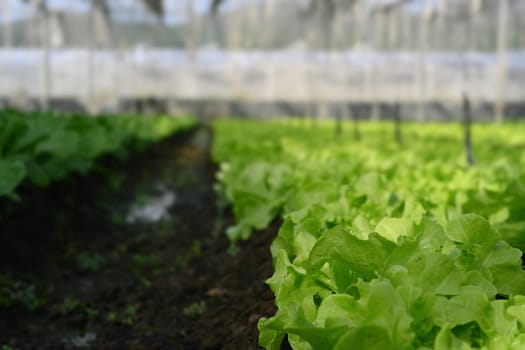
(422, 62)
(442, 27)
(91, 60)
(46, 64)
(7, 35)
(191, 35)
(502, 68)
(5, 16)
(379, 22)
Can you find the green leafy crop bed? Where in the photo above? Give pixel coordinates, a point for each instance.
(383, 246)
(40, 148)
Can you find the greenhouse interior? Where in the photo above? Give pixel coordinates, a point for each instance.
(262, 174)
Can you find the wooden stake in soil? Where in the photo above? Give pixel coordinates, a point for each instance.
(397, 119)
(467, 117)
(355, 118)
(338, 125)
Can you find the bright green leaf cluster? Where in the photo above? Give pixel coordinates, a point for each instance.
(382, 246)
(44, 147)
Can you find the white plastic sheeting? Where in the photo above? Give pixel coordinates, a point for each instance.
(258, 76)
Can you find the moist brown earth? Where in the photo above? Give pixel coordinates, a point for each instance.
(75, 273)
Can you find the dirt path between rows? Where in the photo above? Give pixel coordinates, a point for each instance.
(132, 256)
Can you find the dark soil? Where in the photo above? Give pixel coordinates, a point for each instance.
(74, 273)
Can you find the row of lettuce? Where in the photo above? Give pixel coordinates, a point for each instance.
(39, 148)
(383, 246)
